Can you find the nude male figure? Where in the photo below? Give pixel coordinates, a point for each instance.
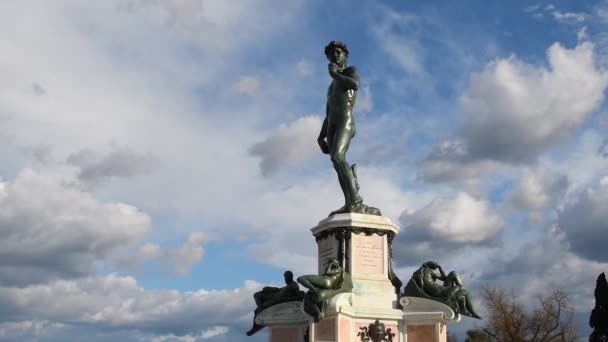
(339, 125)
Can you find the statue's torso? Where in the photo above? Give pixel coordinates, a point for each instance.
(341, 102)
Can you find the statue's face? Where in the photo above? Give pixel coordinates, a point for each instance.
(338, 56)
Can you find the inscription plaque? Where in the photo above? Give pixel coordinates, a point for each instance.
(326, 252)
(369, 254)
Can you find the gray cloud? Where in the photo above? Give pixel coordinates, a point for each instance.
(450, 161)
(38, 89)
(51, 231)
(538, 190)
(543, 263)
(446, 226)
(291, 145)
(602, 151)
(584, 223)
(121, 162)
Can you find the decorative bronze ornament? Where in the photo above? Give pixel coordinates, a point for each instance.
(376, 332)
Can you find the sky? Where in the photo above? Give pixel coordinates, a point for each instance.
(159, 164)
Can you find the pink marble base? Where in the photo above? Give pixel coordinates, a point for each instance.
(325, 330)
(420, 333)
(284, 335)
(344, 330)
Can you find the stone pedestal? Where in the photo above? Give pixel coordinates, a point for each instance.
(363, 246)
(286, 322)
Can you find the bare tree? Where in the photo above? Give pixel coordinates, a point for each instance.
(477, 335)
(508, 320)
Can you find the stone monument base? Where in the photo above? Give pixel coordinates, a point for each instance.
(363, 246)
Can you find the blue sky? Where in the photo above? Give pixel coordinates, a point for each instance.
(159, 161)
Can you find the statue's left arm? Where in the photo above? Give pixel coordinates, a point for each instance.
(349, 77)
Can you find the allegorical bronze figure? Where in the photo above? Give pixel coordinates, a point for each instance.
(339, 126)
(452, 292)
(270, 296)
(321, 288)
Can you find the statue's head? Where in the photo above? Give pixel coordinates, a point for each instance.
(333, 261)
(337, 52)
(288, 276)
(431, 264)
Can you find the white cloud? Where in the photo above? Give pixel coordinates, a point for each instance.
(51, 230)
(204, 335)
(218, 24)
(460, 219)
(365, 102)
(568, 16)
(514, 110)
(304, 68)
(446, 225)
(119, 302)
(29, 329)
(291, 145)
(180, 259)
(247, 85)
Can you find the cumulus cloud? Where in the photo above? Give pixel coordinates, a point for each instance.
(584, 223)
(290, 145)
(514, 110)
(95, 167)
(447, 224)
(50, 230)
(118, 302)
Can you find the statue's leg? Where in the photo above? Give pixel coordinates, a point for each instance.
(312, 309)
(338, 150)
(314, 282)
(468, 302)
(343, 186)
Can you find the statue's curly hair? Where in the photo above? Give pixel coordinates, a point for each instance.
(335, 44)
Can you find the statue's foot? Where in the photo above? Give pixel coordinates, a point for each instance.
(342, 210)
(358, 208)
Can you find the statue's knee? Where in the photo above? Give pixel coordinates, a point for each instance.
(337, 158)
